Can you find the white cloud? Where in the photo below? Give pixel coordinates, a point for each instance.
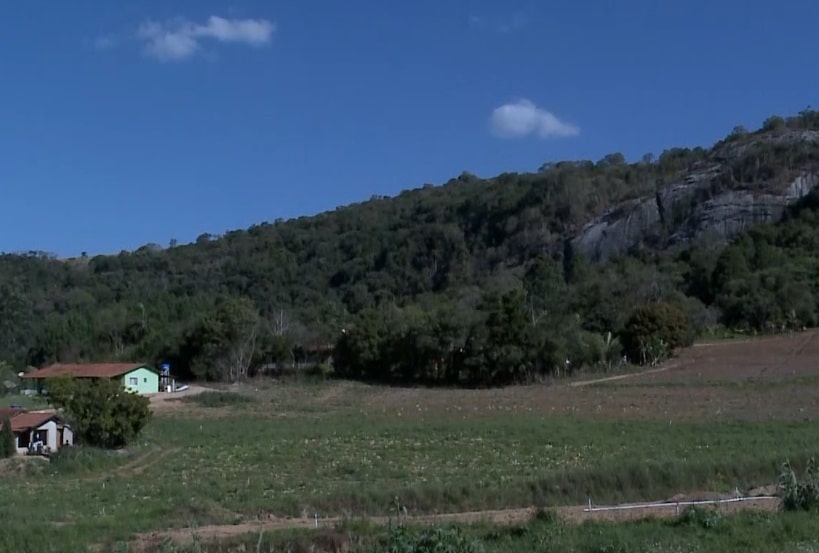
(250, 31)
(179, 40)
(523, 118)
(167, 45)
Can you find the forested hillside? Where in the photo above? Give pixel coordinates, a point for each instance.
(477, 281)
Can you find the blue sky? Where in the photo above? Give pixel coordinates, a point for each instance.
(124, 123)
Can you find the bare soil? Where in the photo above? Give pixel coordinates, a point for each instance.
(169, 401)
(759, 379)
(784, 356)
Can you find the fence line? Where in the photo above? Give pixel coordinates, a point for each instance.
(676, 504)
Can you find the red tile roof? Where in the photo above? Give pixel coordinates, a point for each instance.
(94, 370)
(26, 420)
(33, 419)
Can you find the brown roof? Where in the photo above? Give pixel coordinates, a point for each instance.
(30, 419)
(92, 370)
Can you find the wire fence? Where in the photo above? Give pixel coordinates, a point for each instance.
(677, 504)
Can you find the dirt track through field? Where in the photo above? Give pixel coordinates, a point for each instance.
(146, 462)
(571, 514)
(622, 376)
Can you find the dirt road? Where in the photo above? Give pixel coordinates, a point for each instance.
(622, 376)
(166, 401)
(571, 514)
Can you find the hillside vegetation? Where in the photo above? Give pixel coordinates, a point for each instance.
(477, 281)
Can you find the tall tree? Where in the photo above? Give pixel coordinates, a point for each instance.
(224, 343)
(545, 289)
(7, 448)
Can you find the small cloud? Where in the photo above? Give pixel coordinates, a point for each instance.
(523, 118)
(166, 45)
(105, 42)
(179, 40)
(255, 32)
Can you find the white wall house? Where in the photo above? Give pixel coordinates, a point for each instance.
(40, 432)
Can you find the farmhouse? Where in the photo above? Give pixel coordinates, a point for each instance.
(134, 377)
(37, 432)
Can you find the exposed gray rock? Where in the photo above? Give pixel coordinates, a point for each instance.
(657, 220)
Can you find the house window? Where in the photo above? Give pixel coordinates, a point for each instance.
(145, 380)
(133, 381)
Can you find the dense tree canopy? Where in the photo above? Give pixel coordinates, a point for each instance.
(474, 282)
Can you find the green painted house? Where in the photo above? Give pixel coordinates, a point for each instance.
(139, 378)
(142, 380)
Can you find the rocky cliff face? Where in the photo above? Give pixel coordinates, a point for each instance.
(733, 212)
(697, 207)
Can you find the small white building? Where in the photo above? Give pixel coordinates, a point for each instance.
(38, 432)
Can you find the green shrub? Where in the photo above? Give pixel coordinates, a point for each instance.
(430, 540)
(799, 495)
(707, 518)
(654, 330)
(102, 413)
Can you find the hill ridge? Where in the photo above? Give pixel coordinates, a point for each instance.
(419, 277)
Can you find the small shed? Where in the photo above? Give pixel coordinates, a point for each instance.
(38, 432)
(139, 378)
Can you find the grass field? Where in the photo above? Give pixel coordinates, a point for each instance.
(719, 417)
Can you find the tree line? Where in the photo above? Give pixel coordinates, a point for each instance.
(474, 282)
